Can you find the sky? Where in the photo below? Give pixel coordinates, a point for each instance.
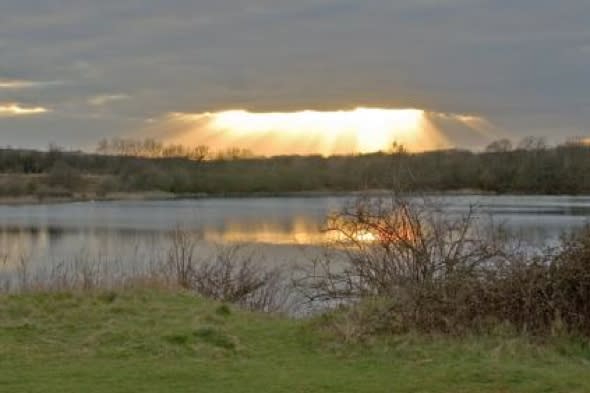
(73, 72)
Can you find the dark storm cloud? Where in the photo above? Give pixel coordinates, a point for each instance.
(522, 64)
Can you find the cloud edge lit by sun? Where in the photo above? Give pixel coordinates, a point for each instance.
(16, 110)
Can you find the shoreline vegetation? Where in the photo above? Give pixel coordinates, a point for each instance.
(130, 169)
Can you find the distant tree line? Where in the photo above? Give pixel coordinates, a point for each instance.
(125, 166)
(152, 148)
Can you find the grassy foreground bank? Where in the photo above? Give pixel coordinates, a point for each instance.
(171, 341)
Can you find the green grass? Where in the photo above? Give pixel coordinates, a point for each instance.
(161, 341)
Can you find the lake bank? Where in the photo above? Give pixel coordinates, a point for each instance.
(167, 196)
(123, 196)
(156, 340)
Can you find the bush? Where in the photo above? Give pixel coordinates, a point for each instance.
(430, 272)
(64, 176)
(229, 276)
(107, 186)
(12, 187)
(570, 276)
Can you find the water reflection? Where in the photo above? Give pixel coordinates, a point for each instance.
(136, 232)
(299, 230)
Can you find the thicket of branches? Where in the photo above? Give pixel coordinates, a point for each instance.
(409, 266)
(231, 275)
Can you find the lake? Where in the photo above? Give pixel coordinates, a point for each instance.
(277, 230)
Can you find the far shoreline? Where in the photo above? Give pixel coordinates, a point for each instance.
(166, 196)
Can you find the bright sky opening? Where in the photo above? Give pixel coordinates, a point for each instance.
(360, 130)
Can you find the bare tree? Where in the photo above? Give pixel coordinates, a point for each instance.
(532, 143)
(499, 146)
(199, 153)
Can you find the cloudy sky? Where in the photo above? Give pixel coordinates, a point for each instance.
(72, 72)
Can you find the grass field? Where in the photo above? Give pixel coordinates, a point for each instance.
(170, 341)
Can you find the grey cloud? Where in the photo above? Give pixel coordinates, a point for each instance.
(521, 64)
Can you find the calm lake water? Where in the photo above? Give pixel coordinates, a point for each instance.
(279, 230)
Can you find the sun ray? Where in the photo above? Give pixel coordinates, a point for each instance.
(361, 130)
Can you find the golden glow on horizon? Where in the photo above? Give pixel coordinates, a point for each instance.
(361, 130)
(373, 129)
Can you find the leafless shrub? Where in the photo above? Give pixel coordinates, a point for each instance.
(22, 272)
(229, 276)
(433, 271)
(4, 279)
(549, 293)
(396, 244)
(570, 278)
(181, 257)
(232, 276)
